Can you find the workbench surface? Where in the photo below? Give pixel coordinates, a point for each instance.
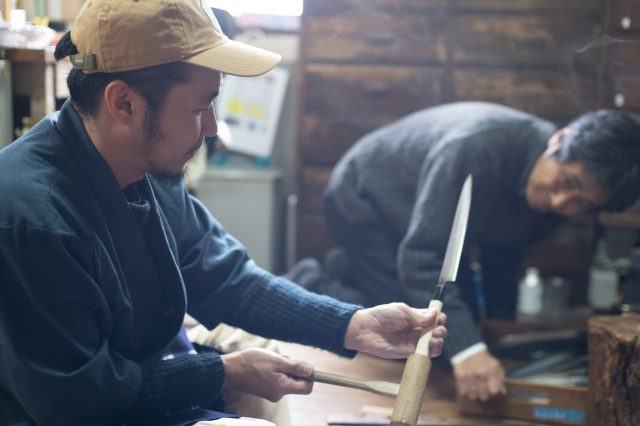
(439, 406)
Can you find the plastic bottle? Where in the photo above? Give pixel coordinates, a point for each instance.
(530, 293)
(603, 281)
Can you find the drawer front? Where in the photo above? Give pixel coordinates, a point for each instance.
(625, 16)
(624, 69)
(381, 90)
(324, 141)
(313, 237)
(593, 6)
(541, 93)
(507, 41)
(625, 92)
(377, 38)
(314, 180)
(349, 6)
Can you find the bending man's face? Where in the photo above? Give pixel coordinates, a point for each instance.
(565, 189)
(174, 134)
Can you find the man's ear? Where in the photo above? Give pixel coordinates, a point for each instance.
(554, 142)
(121, 102)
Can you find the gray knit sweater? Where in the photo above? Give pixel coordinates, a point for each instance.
(406, 178)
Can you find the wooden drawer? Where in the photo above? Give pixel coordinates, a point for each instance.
(360, 89)
(324, 141)
(542, 93)
(625, 91)
(594, 6)
(624, 68)
(313, 182)
(549, 404)
(346, 6)
(313, 237)
(377, 38)
(625, 16)
(508, 41)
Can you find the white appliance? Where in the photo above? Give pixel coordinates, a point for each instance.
(247, 204)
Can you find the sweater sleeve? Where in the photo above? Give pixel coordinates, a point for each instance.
(224, 285)
(56, 358)
(173, 385)
(422, 249)
(279, 309)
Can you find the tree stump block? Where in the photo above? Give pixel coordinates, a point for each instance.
(614, 370)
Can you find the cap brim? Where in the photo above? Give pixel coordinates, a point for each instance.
(232, 57)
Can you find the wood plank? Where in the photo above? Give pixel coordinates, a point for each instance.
(541, 92)
(314, 180)
(38, 56)
(521, 40)
(324, 140)
(375, 38)
(438, 409)
(380, 90)
(565, 405)
(528, 6)
(364, 6)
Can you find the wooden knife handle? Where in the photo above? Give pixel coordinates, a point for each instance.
(414, 381)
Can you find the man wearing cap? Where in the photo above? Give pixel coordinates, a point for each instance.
(102, 251)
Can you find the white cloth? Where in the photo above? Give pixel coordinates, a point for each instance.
(468, 353)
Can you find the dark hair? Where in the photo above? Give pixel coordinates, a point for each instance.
(607, 142)
(152, 83)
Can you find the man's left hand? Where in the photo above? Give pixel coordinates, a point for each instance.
(392, 330)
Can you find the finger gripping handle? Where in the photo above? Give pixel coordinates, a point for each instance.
(414, 381)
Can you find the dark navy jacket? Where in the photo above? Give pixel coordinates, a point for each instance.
(74, 305)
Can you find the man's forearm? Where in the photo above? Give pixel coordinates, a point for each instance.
(279, 309)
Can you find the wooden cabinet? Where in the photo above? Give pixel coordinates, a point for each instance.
(366, 63)
(533, 40)
(375, 38)
(364, 89)
(625, 16)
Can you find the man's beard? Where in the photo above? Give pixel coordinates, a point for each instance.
(153, 137)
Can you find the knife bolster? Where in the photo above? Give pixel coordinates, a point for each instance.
(438, 292)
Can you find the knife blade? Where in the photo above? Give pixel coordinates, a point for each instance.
(416, 371)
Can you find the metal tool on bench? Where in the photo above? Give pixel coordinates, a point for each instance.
(418, 366)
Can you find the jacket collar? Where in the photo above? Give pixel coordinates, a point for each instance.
(123, 235)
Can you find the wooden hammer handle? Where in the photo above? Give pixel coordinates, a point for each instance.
(334, 379)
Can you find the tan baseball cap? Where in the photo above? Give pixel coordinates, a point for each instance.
(125, 35)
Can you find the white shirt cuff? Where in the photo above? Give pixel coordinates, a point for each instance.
(468, 353)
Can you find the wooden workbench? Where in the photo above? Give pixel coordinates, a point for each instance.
(439, 407)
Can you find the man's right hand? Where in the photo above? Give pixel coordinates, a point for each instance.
(479, 377)
(265, 373)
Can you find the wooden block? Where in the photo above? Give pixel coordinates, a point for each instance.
(564, 405)
(614, 370)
